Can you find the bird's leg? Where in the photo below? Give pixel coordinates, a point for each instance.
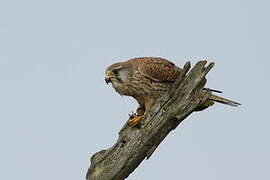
(148, 105)
(141, 111)
(135, 118)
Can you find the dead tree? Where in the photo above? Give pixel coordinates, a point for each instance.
(136, 144)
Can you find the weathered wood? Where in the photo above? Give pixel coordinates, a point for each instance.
(136, 144)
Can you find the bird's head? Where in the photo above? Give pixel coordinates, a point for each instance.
(117, 73)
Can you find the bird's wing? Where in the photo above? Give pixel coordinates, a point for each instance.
(159, 69)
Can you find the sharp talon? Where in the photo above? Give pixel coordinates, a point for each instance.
(131, 115)
(135, 120)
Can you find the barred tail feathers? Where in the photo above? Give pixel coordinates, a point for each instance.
(224, 101)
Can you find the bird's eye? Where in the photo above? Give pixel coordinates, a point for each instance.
(115, 71)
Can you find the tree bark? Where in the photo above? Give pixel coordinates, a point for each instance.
(136, 144)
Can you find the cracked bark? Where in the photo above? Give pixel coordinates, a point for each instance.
(136, 144)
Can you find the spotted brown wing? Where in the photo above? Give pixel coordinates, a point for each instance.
(159, 69)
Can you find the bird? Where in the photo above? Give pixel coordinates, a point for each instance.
(146, 79)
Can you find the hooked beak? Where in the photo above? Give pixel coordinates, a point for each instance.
(108, 77)
(108, 80)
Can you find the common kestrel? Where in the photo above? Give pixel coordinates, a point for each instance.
(145, 79)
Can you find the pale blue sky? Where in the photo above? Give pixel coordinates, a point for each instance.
(56, 110)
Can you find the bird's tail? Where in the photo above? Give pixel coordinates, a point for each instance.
(224, 100)
(214, 98)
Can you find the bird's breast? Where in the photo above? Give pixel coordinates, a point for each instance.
(140, 87)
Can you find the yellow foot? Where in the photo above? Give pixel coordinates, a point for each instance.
(135, 120)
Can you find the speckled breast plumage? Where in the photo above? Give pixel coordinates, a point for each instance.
(143, 88)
